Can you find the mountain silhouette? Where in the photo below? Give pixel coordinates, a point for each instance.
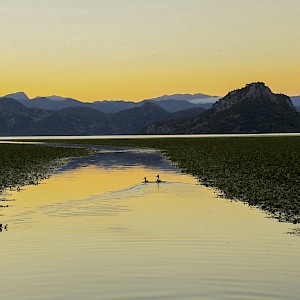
(252, 109)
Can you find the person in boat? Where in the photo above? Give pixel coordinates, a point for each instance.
(158, 180)
(145, 180)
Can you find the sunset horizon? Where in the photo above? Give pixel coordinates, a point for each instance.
(142, 99)
(133, 50)
(150, 149)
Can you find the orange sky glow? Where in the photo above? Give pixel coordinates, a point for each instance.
(132, 50)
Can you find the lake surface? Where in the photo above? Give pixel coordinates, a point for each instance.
(139, 136)
(95, 231)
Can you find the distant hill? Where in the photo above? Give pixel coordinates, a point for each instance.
(198, 100)
(17, 119)
(188, 113)
(172, 103)
(192, 98)
(20, 97)
(51, 103)
(252, 109)
(113, 106)
(296, 100)
(132, 120)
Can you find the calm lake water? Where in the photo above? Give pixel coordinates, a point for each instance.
(139, 136)
(95, 231)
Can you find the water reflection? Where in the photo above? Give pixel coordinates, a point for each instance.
(100, 232)
(117, 157)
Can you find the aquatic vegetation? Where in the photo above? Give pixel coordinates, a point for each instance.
(29, 164)
(263, 171)
(295, 231)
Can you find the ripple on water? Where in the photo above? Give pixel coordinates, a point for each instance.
(109, 203)
(122, 240)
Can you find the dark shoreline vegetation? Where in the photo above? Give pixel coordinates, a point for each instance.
(29, 164)
(263, 171)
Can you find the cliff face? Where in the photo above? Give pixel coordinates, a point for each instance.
(252, 109)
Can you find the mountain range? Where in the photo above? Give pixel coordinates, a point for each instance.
(171, 103)
(18, 120)
(251, 109)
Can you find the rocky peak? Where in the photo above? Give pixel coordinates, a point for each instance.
(150, 106)
(20, 96)
(256, 91)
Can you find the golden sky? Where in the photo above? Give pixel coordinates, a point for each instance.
(137, 49)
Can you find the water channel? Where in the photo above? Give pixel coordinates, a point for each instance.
(94, 230)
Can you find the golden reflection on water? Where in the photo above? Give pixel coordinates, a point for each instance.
(100, 233)
(86, 182)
